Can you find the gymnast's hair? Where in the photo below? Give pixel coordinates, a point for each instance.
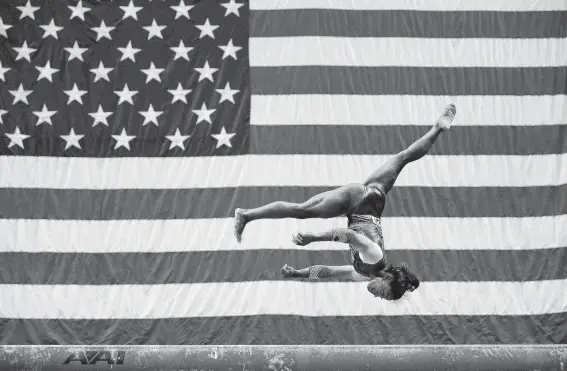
(401, 279)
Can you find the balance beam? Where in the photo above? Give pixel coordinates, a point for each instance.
(286, 358)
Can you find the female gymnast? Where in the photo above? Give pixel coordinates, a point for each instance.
(363, 205)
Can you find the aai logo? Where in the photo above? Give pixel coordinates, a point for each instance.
(91, 357)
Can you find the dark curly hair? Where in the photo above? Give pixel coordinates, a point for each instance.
(401, 279)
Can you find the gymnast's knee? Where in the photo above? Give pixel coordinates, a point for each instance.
(303, 211)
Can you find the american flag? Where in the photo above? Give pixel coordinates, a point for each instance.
(132, 129)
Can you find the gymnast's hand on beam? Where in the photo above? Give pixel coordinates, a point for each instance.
(303, 239)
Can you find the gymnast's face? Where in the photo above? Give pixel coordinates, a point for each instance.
(381, 287)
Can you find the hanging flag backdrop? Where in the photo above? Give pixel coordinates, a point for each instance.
(132, 129)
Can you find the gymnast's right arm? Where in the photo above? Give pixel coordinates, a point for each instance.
(322, 272)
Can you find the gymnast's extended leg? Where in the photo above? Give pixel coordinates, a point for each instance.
(385, 176)
(328, 204)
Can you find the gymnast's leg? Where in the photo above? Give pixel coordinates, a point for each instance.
(328, 204)
(385, 177)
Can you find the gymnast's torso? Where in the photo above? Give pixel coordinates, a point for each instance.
(365, 218)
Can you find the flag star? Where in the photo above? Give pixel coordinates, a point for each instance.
(177, 140)
(130, 10)
(76, 52)
(128, 52)
(75, 94)
(20, 95)
(150, 115)
(51, 29)
(182, 9)
(126, 95)
(3, 70)
(17, 138)
(207, 29)
(24, 52)
(179, 93)
(2, 113)
(4, 27)
(152, 73)
(154, 30)
(223, 138)
(227, 93)
(232, 7)
(100, 116)
(27, 10)
(204, 114)
(78, 10)
(103, 31)
(229, 50)
(101, 72)
(206, 72)
(72, 140)
(46, 72)
(44, 116)
(123, 140)
(181, 51)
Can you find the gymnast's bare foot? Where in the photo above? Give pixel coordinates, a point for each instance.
(444, 122)
(239, 224)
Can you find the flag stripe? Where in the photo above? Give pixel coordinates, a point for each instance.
(411, 52)
(273, 330)
(354, 139)
(187, 235)
(410, 110)
(188, 267)
(407, 23)
(408, 80)
(276, 170)
(422, 5)
(277, 297)
(221, 202)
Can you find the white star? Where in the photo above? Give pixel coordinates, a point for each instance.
(51, 29)
(24, 52)
(76, 52)
(179, 93)
(46, 72)
(130, 10)
(227, 93)
(223, 138)
(128, 52)
(103, 31)
(75, 94)
(100, 117)
(126, 95)
(204, 114)
(232, 7)
(181, 51)
(150, 116)
(101, 72)
(229, 50)
(207, 29)
(28, 10)
(182, 9)
(72, 140)
(20, 95)
(4, 27)
(44, 116)
(78, 10)
(123, 140)
(17, 138)
(206, 72)
(152, 73)
(3, 70)
(177, 140)
(2, 113)
(154, 30)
